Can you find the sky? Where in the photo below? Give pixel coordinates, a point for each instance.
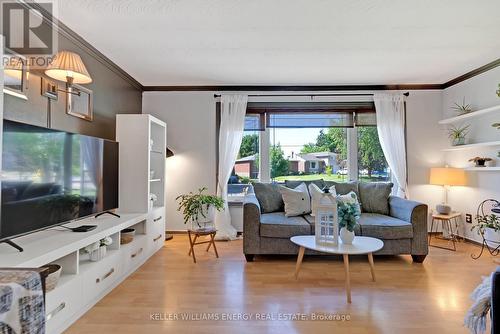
(292, 140)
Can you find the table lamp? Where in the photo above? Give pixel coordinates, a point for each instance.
(447, 176)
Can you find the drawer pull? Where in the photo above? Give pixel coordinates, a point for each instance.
(157, 238)
(98, 280)
(157, 219)
(136, 253)
(55, 311)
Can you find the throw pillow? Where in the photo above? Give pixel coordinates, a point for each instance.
(269, 197)
(297, 201)
(374, 196)
(344, 187)
(316, 194)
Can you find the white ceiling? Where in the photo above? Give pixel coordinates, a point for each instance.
(289, 42)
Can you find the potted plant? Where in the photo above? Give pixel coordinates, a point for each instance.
(349, 213)
(199, 209)
(462, 108)
(97, 250)
(480, 162)
(457, 134)
(489, 226)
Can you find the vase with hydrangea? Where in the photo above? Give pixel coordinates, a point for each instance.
(348, 212)
(97, 250)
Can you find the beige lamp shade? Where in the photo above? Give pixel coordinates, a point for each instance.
(68, 64)
(447, 176)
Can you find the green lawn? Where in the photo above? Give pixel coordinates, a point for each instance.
(326, 177)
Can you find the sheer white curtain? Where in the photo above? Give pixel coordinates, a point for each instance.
(391, 132)
(232, 121)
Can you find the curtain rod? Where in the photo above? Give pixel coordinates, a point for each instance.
(311, 95)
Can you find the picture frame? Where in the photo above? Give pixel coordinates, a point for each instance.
(49, 89)
(15, 75)
(79, 102)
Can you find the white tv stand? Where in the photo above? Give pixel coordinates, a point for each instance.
(83, 283)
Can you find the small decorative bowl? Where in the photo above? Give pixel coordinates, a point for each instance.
(53, 277)
(127, 235)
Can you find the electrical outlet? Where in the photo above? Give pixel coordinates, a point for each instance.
(468, 218)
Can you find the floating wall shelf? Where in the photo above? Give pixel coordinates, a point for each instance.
(482, 169)
(473, 114)
(476, 145)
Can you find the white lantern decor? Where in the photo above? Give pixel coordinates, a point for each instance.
(326, 226)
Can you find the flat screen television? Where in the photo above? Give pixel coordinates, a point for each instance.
(50, 177)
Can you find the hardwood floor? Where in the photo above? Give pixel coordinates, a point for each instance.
(407, 297)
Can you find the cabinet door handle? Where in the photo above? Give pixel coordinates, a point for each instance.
(156, 219)
(136, 253)
(55, 311)
(156, 239)
(98, 280)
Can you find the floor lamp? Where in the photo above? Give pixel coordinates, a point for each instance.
(170, 153)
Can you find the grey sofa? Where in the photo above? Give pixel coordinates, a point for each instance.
(402, 224)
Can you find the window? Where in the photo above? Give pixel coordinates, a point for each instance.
(372, 165)
(247, 164)
(306, 141)
(308, 153)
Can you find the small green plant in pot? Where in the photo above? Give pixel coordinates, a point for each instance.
(462, 108)
(457, 134)
(198, 208)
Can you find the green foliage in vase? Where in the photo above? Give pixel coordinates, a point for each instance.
(193, 206)
(456, 132)
(349, 214)
(462, 108)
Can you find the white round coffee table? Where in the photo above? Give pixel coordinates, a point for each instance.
(360, 245)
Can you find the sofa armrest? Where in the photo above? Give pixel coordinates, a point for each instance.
(416, 214)
(251, 224)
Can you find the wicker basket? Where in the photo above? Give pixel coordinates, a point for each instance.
(127, 235)
(52, 277)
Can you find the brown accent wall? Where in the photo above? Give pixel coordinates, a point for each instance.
(113, 94)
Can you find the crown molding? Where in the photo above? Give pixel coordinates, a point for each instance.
(253, 88)
(472, 73)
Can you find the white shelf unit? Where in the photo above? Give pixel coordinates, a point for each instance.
(475, 145)
(143, 152)
(474, 114)
(83, 283)
(482, 169)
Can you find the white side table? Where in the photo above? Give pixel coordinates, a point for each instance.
(360, 245)
(451, 223)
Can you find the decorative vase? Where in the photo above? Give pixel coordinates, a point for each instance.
(98, 254)
(346, 236)
(492, 237)
(458, 141)
(205, 220)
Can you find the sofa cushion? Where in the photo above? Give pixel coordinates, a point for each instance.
(384, 227)
(310, 220)
(343, 188)
(374, 196)
(297, 200)
(295, 183)
(269, 197)
(277, 225)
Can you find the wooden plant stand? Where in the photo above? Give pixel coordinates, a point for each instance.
(193, 237)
